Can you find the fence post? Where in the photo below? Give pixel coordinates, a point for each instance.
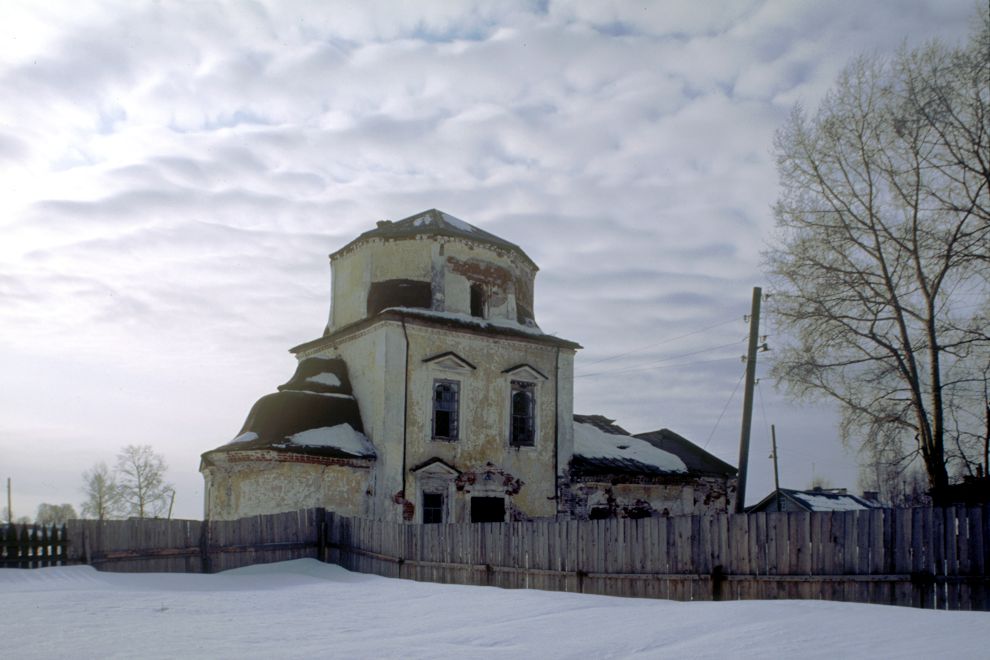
(63, 542)
(204, 546)
(24, 551)
(42, 555)
(321, 534)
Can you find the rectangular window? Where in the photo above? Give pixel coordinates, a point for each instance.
(432, 508)
(522, 432)
(445, 402)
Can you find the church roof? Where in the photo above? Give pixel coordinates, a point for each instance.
(433, 222)
(313, 414)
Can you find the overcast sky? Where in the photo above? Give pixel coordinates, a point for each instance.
(174, 175)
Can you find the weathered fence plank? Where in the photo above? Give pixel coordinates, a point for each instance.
(920, 557)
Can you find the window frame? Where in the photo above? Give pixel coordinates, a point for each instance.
(516, 387)
(439, 510)
(453, 421)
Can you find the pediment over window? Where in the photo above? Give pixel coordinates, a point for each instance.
(450, 361)
(526, 372)
(436, 467)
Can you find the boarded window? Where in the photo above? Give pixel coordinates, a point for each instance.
(432, 508)
(446, 396)
(523, 409)
(478, 301)
(399, 293)
(487, 509)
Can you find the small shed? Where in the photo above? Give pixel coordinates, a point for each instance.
(816, 499)
(615, 474)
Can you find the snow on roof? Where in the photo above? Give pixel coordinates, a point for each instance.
(508, 324)
(593, 443)
(244, 437)
(325, 378)
(457, 222)
(830, 501)
(342, 437)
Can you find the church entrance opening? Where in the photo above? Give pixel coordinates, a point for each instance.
(487, 509)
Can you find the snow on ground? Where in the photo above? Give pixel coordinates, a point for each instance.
(305, 609)
(592, 442)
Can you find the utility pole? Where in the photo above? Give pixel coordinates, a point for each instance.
(776, 475)
(10, 507)
(747, 420)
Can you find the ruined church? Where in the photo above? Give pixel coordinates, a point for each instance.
(434, 396)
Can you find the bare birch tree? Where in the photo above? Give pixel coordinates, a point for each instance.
(102, 498)
(881, 263)
(141, 482)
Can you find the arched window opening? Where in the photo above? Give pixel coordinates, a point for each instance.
(523, 404)
(478, 301)
(445, 400)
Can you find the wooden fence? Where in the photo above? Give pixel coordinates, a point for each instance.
(931, 558)
(32, 546)
(194, 546)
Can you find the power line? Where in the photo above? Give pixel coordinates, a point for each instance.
(616, 372)
(664, 359)
(724, 408)
(662, 341)
(759, 393)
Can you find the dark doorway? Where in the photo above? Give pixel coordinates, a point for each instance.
(487, 509)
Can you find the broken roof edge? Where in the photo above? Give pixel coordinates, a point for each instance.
(265, 453)
(430, 319)
(437, 225)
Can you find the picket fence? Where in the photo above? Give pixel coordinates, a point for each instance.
(931, 558)
(32, 546)
(196, 546)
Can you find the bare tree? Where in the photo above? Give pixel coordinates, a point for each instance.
(102, 495)
(54, 514)
(892, 470)
(881, 262)
(141, 482)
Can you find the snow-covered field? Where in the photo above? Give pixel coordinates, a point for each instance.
(307, 609)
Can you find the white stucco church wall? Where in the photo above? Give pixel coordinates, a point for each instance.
(458, 407)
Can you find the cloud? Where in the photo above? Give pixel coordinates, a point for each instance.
(176, 175)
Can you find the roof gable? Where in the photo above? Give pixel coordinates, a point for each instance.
(436, 466)
(450, 361)
(526, 371)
